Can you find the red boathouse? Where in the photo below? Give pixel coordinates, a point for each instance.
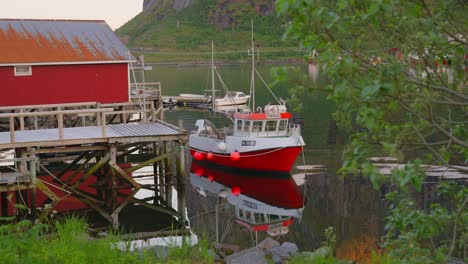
(61, 61)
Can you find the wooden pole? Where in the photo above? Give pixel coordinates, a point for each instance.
(98, 116)
(168, 175)
(155, 174)
(21, 120)
(112, 183)
(60, 125)
(12, 129)
(161, 150)
(181, 183)
(32, 173)
(103, 117)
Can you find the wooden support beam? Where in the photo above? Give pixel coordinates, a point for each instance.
(130, 151)
(158, 208)
(124, 174)
(145, 235)
(54, 197)
(91, 171)
(70, 178)
(70, 149)
(15, 187)
(148, 162)
(115, 214)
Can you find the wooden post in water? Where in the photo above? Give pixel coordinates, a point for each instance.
(161, 169)
(168, 175)
(112, 184)
(156, 153)
(181, 183)
(32, 173)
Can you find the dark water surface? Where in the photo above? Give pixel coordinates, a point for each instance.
(349, 205)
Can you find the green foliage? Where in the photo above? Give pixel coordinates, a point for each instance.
(68, 242)
(396, 71)
(330, 238)
(172, 35)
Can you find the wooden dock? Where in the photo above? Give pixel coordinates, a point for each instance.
(97, 143)
(187, 100)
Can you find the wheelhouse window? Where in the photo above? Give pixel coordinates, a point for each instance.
(23, 70)
(247, 126)
(257, 126)
(239, 125)
(283, 124)
(270, 125)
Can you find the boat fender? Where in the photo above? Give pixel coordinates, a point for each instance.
(222, 146)
(235, 155)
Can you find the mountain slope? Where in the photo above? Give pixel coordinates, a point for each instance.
(191, 25)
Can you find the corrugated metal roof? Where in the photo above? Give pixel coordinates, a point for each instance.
(46, 41)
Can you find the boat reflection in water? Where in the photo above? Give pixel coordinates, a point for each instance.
(263, 201)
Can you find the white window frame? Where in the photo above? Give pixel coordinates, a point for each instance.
(23, 73)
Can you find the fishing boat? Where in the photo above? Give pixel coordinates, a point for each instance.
(259, 139)
(232, 98)
(257, 208)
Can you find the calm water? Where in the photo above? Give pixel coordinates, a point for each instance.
(350, 205)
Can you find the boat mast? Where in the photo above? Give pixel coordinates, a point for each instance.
(213, 93)
(252, 80)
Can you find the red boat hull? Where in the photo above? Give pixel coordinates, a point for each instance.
(280, 159)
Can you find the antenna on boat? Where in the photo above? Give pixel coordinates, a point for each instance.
(252, 80)
(213, 92)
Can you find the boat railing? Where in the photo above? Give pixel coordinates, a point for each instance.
(215, 134)
(294, 129)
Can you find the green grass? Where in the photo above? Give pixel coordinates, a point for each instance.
(68, 242)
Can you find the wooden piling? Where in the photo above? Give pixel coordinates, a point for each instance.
(32, 173)
(180, 161)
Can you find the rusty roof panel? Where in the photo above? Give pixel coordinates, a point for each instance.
(62, 41)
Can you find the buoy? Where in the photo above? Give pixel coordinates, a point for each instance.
(209, 156)
(198, 155)
(235, 190)
(235, 155)
(210, 177)
(199, 172)
(222, 146)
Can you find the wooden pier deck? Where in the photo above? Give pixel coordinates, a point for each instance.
(123, 133)
(97, 143)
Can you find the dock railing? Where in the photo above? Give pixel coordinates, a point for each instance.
(98, 113)
(101, 112)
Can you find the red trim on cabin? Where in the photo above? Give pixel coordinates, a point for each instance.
(288, 222)
(103, 83)
(261, 116)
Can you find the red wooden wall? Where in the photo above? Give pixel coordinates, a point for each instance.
(103, 83)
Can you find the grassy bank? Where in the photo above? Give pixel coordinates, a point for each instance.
(68, 242)
(199, 57)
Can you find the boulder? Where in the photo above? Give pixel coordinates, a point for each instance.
(248, 256)
(268, 244)
(285, 251)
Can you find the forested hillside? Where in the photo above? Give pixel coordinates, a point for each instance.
(191, 25)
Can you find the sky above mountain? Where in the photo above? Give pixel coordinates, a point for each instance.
(114, 12)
